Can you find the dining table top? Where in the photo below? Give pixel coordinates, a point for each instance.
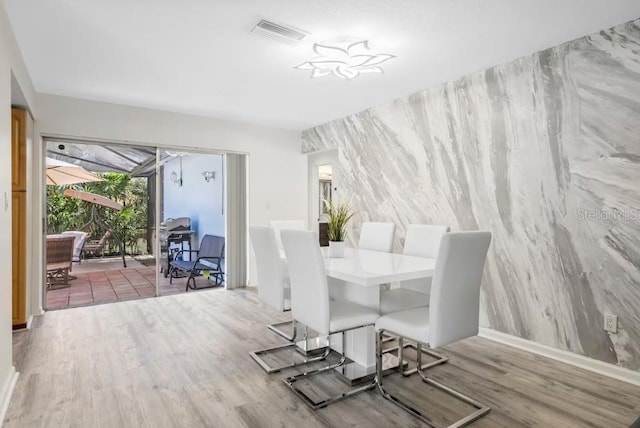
(373, 268)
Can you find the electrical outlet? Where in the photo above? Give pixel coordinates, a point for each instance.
(611, 323)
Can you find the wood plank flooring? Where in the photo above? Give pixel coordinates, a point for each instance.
(182, 361)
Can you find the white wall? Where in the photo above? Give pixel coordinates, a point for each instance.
(197, 199)
(10, 61)
(277, 169)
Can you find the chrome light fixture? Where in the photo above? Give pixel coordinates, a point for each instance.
(174, 178)
(345, 60)
(208, 175)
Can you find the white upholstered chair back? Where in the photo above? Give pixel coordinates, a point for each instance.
(377, 236)
(270, 266)
(309, 289)
(455, 292)
(422, 240)
(279, 225)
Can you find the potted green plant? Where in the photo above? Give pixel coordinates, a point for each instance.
(338, 215)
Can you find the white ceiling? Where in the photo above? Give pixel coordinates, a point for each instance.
(197, 56)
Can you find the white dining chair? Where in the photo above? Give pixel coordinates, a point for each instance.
(377, 236)
(272, 276)
(422, 240)
(311, 306)
(279, 225)
(452, 315)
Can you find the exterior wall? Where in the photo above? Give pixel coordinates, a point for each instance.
(197, 199)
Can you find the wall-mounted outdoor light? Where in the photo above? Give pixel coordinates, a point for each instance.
(208, 175)
(175, 179)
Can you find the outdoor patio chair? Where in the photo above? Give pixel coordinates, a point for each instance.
(208, 261)
(81, 238)
(59, 259)
(96, 246)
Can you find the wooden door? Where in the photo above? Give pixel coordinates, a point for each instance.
(18, 243)
(18, 150)
(19, 215)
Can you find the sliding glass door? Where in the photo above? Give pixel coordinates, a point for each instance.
(99, 223)
(192, 229)
(142, 221)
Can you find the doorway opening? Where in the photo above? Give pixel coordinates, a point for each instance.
(193, 227)
(99, 223)
(323, 188)
(126, 222)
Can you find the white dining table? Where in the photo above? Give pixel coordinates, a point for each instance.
(357, 277)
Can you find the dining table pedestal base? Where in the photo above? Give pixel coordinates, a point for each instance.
(312, 346)
(357, 278)
(354, 374)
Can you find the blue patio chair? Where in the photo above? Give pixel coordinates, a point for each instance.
(207, 258)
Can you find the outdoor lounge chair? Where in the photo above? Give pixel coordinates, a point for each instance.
(59, 259)
(208, 261)
(78, 245)
(95, 246)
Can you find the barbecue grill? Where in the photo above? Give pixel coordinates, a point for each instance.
(174, 234)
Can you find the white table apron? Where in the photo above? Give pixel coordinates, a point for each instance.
(357, 278)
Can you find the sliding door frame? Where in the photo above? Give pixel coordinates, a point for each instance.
(42, 221)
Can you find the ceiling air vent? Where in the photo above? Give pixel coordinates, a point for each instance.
(279, 32)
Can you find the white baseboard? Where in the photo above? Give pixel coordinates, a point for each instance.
(596, 366)
(29, 321)
(6, 390)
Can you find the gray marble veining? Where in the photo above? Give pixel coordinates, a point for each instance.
(545, 153)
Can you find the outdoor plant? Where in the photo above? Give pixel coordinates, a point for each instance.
(63, 213)
(338, 215)
(126, 226)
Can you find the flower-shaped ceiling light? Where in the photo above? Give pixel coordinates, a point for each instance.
(344, 60)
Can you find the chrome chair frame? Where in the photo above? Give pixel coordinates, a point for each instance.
(439, 359)
(482, 409)
(274, 328)
(271, 274)
(290, 381)
(256, 354)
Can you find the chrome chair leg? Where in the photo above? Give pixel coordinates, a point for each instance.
(305, 347)
(274, 328)
(400, 367)
(481, 409)
(290, 382)
(256, 354)
(439, 359)
(388, 338)
(379, 382)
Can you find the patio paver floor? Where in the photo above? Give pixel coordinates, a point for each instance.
(112, 286)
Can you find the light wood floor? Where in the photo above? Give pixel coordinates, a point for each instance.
(182, 361)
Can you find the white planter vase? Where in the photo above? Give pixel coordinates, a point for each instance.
(336, 249)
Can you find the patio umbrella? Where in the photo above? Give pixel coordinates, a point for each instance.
(93, 198)
(95, 218)
(61, 173)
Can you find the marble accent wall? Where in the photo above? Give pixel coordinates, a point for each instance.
(545, 153)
